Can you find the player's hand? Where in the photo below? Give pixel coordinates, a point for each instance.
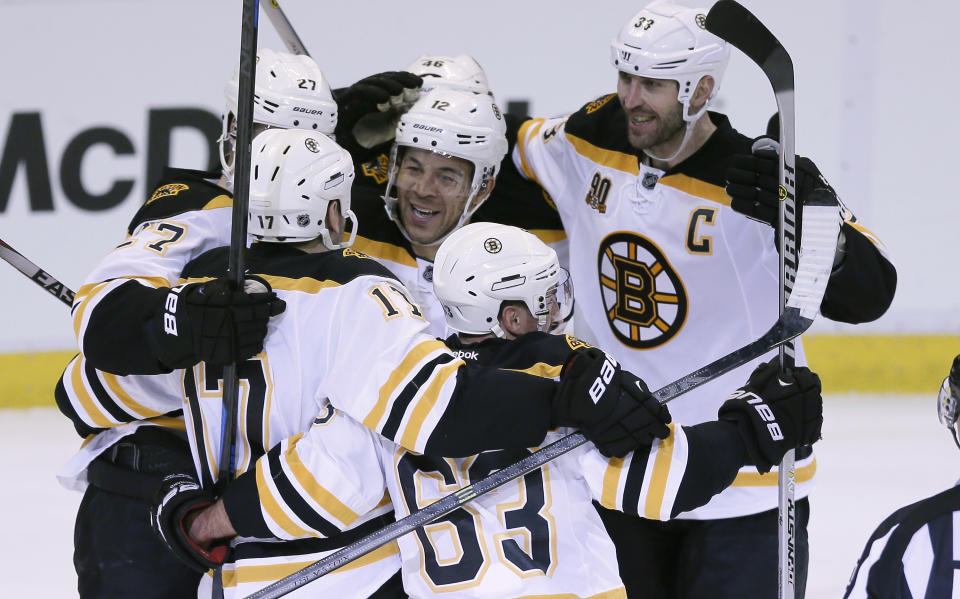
(178, 499)
(776, 412)
(370, 109)
(753, 183)
(212, 323)
(612, 407)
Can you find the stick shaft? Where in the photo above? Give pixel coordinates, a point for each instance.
(36, 274)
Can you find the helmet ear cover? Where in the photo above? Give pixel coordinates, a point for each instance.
(295, 176)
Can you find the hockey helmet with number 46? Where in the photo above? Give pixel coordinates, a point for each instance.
(461, 73)
(670, 41)
(482, 265)
(294, 175)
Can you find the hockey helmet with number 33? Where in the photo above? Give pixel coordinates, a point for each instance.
(670, 41)
(461, 72)
(451, 123)
(294, 175)
(290, 92)
(481, 265)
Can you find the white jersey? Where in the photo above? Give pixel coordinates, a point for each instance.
(668, 278)
(538, 536)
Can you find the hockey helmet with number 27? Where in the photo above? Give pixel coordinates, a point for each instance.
(670, 41)
(294, 175)
(290, 92)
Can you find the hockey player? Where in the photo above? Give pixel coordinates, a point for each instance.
(670, 271)
(119, 320)
(351, 337)
(538, 536)
(913, 553)
(513, 199)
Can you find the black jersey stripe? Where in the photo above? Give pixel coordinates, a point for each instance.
(634, 483)
(293, 500)
(106, 400)
(406, 396)
(65, 406)
(193, 402)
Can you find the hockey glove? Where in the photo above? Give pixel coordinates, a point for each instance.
(370, 109)
(179, 496)
(775, 412)
(209, 322)
(753, 183)
(612, 407)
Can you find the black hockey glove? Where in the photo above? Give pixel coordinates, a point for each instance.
(775, 412)
(178, 496)
(753, 184)
(612, 407)
(370, 109)
(211, 323)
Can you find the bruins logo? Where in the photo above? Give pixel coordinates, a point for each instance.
(167, 190)
(376, 169)
(644, 298)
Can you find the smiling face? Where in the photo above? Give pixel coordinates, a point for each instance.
(432, 190)
(654, 116)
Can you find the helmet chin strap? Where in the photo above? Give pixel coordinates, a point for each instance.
(686, 137)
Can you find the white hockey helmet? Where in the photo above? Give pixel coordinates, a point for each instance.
(451, 123)
(481, 265)
(294, 175)
(461, 72)
(290, 92)
(670, 41)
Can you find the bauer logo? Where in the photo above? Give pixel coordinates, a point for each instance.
(643, 297)
(427, 128)
(307, 110)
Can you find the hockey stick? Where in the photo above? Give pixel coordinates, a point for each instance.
(803, 306)
(36, 274)
(238, 239)
(735, 24)
(283, 27)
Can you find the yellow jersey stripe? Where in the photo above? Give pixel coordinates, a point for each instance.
(383, 250)
(755, 479)
(426, 403)
(627, 163)
(273, 508)
(169, 422)
(250, 574)
(611, 482)
(221, 201)
(90, 407)
(696, 187)
(317, 492)
(528, 130)
(541, 369)
(658, 478)
(401, 372)
(125, 398)
(83, 299)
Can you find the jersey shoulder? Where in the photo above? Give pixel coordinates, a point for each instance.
(601, 123)
(290, 268)
(180, 191)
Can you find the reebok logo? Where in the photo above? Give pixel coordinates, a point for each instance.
(466, 355)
